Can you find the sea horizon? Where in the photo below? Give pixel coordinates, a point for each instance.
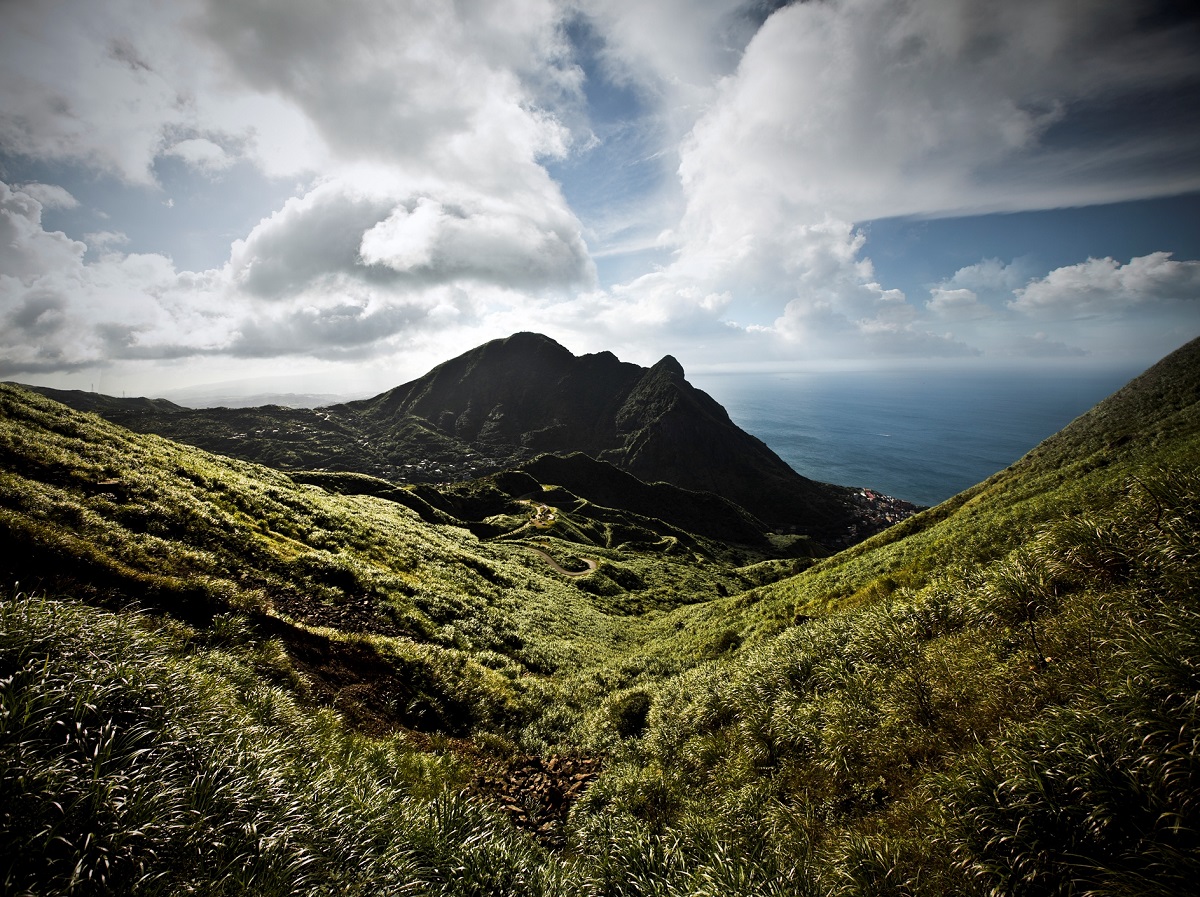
(919, 434)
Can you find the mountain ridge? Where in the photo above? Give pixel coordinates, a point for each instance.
(527, 393)
(500, 405)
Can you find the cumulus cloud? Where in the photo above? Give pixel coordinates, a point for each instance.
(1105, 286)
(988, 276)
(675, 49)
(61, 312)
(201, 153)
(121, 307)
(434, 85)
(654, 306)
(957, 305)
(850, 110)
(869, 110)
(338, 232)
(338, 329)
(297, 286)
(103, 240)
(313, 238)
(51, 196)
(26, 249)
(460, 89)
(113, 86)
(479, 238)
(418, 137)
(887, 327)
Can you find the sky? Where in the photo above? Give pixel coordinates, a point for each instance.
(334, 195)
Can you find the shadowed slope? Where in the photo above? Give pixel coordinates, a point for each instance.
(504, 403)
(526, 394)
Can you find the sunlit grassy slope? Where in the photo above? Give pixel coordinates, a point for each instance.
(218, 679)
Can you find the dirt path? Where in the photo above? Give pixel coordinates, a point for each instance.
(591, 564)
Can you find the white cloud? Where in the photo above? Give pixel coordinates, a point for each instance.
(654, 305)
(867, 110)
(312, 238)
(455, 89)
(26, 249)
(675, 49)
(120, 307)
(51, 196)
(416, 134)
(436, 88)
(479, 238)
(1105, 286)
(297, 286)
(93, 83)
(341, 329)
(874, 323)
(957, 305)
(405, 238)
(99, 241)
(990, 276)
(850, 110)
(60, 312)
(201, 153)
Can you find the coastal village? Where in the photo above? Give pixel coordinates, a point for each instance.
(879, 511)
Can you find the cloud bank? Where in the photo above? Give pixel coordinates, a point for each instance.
(419, 140)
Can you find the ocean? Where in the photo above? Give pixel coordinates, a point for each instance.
(919, 435)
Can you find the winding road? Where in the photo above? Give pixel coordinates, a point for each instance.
(543, 517)
(591, 564)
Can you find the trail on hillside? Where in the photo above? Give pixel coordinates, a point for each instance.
(591, 564)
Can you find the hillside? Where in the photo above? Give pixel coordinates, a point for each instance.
(526, 394)
(504, 403)
(217, 677)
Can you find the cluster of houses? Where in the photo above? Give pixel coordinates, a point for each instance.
(879, 511)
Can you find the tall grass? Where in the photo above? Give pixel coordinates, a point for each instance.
(1004, 702)
(130, 768)
(1029, 727)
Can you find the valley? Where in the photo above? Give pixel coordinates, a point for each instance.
(243, 651)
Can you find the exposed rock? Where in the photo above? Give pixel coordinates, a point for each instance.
(537, 792)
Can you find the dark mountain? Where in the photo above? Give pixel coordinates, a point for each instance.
(501, 405)
(108, 407)
(526, 394)
(703, 513)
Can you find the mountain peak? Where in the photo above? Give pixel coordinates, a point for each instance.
(528, 339)
(512, 399)
(668, 364)
(523, 345)
(505, 402)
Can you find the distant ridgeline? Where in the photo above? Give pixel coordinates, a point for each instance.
(509, 401)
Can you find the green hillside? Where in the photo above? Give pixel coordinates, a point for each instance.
(500, 406)
(218, 678)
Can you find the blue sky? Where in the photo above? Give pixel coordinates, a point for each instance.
(333, 197)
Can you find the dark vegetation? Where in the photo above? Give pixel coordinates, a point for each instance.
(501, 405)
(220, 678)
